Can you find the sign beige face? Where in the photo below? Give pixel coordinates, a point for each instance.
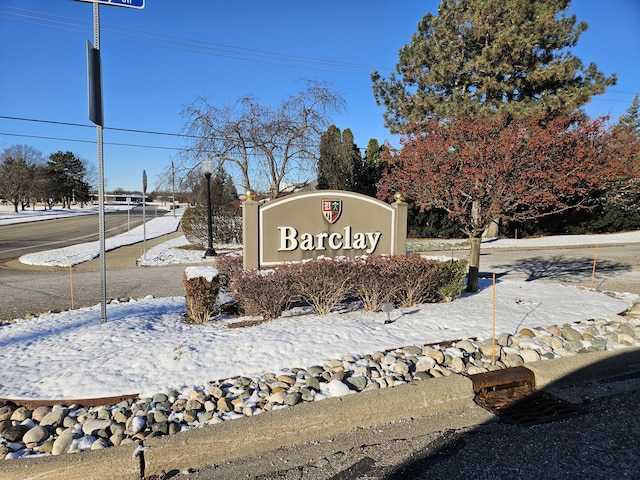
(325, 223)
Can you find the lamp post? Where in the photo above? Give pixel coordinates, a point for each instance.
(207, 168)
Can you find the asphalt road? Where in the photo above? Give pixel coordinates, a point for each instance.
(22, 238)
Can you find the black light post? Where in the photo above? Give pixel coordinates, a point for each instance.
(207, 168)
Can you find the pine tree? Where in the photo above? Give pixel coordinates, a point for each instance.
(339, 163)
(631, 119)
(67, 174)
(488, 56)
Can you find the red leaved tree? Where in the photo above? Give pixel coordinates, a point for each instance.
(483, 167)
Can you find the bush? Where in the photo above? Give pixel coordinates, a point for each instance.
(261, 292)
(323, 282)
(228, 264)
(416, 279)
(451, 279)
(226, 225)
(202, 288)
(373, 284)
(407, 280)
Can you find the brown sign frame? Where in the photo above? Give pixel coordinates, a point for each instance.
(299, 227)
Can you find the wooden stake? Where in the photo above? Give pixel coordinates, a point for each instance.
(493, 320)
(71, 281)
(593, 271)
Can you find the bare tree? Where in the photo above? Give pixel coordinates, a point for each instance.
(17, 164)
(257, 141)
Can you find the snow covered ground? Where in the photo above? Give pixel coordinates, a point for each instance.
(146, 347)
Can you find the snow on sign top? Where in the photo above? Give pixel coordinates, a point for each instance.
(119, 3)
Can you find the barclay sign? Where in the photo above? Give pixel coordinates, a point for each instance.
(327, 223)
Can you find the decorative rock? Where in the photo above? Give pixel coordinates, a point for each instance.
(293, 398)
(54, 417)
(224, 405)
(35, 435)
(437, 355)
(457, 365)
(99, 444)
(160, 398)
(136, 424)
(625, 339)
(194, 404)
(277, 398)
(359, 382)
(513, 360)
(15, 433)
(308, 394)
(505, 340)
(627, 329)
(527, 332)
(46, 447)
(554, 330)
(412, 350)
(400, 368)
(466, 346)
(6, 411)
(93, 425)
(20, 414)
(286, 379)
(4, 424)
(63, 442)
(571, 334)
(529, 356)
(39, 413)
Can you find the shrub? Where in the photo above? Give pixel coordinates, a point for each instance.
(202, 288)
(416, 278)
(261, 292)
(451, 279)
(372, 284)
(226, 225)
(322, 282)
(228, 264)
(408, 280)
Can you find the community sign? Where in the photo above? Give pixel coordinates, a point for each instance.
(322, 223)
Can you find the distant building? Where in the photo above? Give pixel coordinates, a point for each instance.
(121, 198)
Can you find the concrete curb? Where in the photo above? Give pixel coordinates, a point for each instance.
(308, 422)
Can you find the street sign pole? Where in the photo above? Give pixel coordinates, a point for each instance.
(99, 127)
(94, 75)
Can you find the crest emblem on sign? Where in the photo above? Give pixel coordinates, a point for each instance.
(331, 209)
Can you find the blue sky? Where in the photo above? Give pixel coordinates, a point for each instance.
(158, 59)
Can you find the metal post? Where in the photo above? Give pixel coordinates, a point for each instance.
(173, 190)
(210, 251)
(101, 232)
(144, 214)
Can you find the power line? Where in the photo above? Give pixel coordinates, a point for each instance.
(187, 44)
(86, 125)
(77, 140)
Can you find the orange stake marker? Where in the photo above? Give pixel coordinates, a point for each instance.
(71, 281)
(493, 320)
(593, 271)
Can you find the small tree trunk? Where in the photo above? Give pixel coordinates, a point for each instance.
(474, 264)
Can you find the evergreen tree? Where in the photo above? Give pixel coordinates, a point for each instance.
(67, 174)
(372, 169)
(488, 56)
(340, 163)
(631, 119)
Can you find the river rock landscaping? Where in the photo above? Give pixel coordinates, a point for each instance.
(65, 429)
